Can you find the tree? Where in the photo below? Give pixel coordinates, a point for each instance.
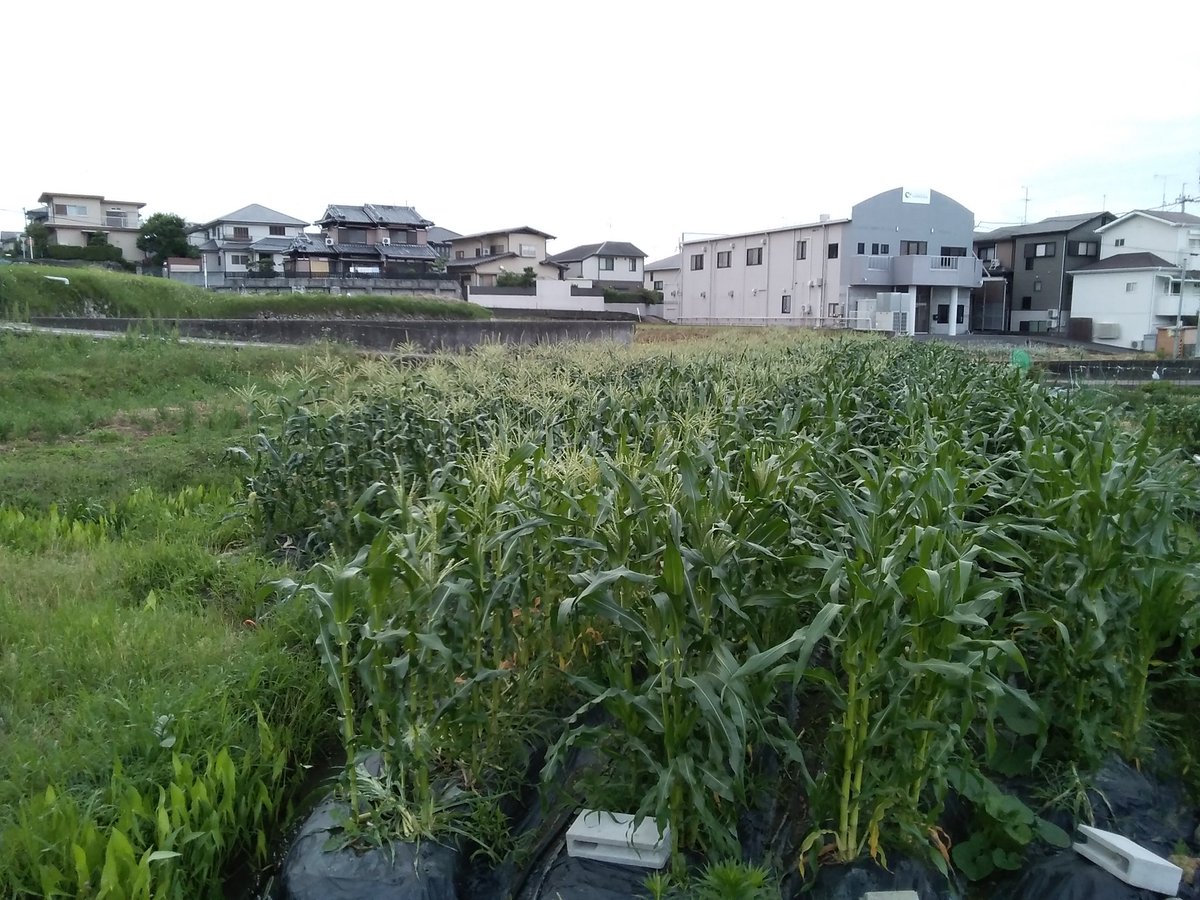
(528, 278)
(41, 237)
(164, 235)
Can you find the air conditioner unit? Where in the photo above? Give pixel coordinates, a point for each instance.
(387, 241)
(1135, 345)
(328, 242)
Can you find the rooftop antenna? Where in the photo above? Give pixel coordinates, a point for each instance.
(1163, 179)
(1025, 214)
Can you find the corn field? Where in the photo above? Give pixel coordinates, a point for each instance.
(852, 572)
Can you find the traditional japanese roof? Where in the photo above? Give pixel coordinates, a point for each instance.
(374, 214)
(439, 235)
(605, 248)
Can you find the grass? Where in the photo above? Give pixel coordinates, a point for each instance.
(25, 291)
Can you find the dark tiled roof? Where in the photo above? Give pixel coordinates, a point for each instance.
(374, 214)
(1052, 225)
(312, 244)
(1141, 260)
(606, 248)
(272, 244)
(522, 229)
(1179, 218)
(662, 265)
(439, 235)
(406, 251)
(469, 261)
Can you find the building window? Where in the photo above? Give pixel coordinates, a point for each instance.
(942, 317)
(497, 249)
(633, 264)
(1026, 303)
(1175, 287)
(1037, 285)
(754, 256)
(658, 285)
(884, 249)
(606, 263)
(479, 251)
(801, 249)
(958, 316)
(833, 251)
(1119, 242)
(1130, 287)
(954, 251)
(1084, 248)
(239, 259)
(70, 209)
(241, 233)
(528, 250)
(460, 254)
(724, 258)
(278, 231)
(785, 305)
(1029, 264)
(697, 262)
(1040, 250)
(914, 248)
(862, 248)
(834, 310)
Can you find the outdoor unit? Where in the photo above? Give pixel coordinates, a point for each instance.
(1106, 331)
(328, 242)
(387, 241)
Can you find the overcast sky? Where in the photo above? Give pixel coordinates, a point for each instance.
(609, 120)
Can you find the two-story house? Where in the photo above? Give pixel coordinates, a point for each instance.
(901, 262)
(240, 242)
(372, 240)
(1146, 279)
(662, 276)
(75, 220)
(611, 264)
(440, 240)
(1028, 284)
(479, 259)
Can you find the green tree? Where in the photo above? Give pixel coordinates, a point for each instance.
(528, 278)
(41, 237)
(98, 239)
(164, 235)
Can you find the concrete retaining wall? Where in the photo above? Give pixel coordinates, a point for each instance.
(1123, 371)
(428, 334)
(313, 284)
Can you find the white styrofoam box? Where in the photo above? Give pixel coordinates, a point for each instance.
(891, 895)
(1130, 862)
(611, 837)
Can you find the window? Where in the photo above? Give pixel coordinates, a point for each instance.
(754, 256)
(1119, 242)
(528, 250)
(115, 218)
(1026, 303)
(884, 249)
(862, 248)
(460, 254)
(633, 264)
(479, 251)
(801, 249)
(1175, 287)
(1040, 250)
(497, 249)
(942, 317)
(1084, 248)
(958, 316)
(954, 251)
(785, 305)
(69, 209)
(834, 310)
(241, 233)
(697, 262)
(833, 251)
(606, 263)
(239, 259)
(724, 257)
(1037, 285)
(914, 248)
(278, 231)
(1029, 264)
(658, 285)
(1130, 287)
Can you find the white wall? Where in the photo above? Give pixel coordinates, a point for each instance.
(1102, 297)
(550, 295)
(1145, 235)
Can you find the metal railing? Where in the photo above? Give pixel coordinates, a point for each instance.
(944, 262)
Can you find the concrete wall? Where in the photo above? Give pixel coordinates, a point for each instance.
(1105, 297)
(544, 295)
(219, 281)
(1142, 234)
(431, 335)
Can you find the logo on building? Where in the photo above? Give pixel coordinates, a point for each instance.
(915, 195)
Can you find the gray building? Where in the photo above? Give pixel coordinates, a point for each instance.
(1028, 283)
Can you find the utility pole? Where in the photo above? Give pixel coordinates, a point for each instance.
(1025, 214)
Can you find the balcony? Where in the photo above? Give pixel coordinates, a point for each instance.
(947, 271)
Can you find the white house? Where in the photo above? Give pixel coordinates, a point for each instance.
(662, 275)
(238, 242)
(616, 264)
(1145, 279)
(901, 262)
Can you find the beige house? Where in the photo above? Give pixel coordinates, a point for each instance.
(479, 259)
(73, 219)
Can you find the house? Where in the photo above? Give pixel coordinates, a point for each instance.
(372, 240)
(613, 264)
(243, 241)
(901, 262)
(1028, 283)
(479, 259)
(75, 220)
(10, 243)
(1146, 279)
(662, 275)
(440, 240)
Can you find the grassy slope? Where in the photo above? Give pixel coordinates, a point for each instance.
(102, 635)
(25, 291)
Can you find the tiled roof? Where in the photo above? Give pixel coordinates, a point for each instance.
(1179, 218)
(469, 261)
(256, 214)
(1141, 260)
(664, 264)
(1051, 225)
(374, 214)
(406, 251)
(606, 248)
(272, 244)
(522, 229)
(439, 235)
